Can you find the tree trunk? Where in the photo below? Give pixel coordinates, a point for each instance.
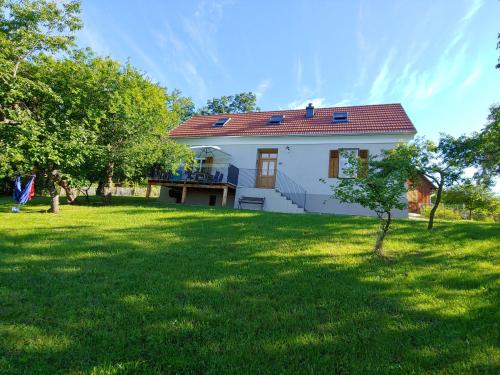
(436, 203)
(71, 193)
(108, 184)
(99, 191)
(384, 227)
(54, 189)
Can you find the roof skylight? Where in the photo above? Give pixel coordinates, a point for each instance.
(276, 119)
(221, 122)
(340, 117)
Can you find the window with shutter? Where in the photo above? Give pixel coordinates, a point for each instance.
(333, 170)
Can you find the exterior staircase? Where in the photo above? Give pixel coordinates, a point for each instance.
(274, 200)
(286, 196)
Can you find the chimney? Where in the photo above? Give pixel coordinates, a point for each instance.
(310, 111)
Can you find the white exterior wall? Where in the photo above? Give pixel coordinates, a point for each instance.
(305, 160)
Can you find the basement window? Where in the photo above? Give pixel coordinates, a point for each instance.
(276, 119)
(340, 118)
(221, 122)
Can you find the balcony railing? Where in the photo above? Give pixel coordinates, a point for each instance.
(206, 174)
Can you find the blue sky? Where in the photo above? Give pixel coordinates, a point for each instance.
(435, 57)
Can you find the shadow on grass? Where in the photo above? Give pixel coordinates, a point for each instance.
(224, 291)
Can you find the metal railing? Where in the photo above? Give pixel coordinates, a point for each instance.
(205, 174)
(282, 184)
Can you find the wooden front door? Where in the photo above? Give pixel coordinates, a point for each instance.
(267, 164)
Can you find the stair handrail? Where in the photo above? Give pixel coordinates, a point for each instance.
(291, 189)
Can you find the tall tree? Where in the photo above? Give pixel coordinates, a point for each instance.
(442, 163)
(242, 102)
(28, 29)
(137, 116)
(61, 134)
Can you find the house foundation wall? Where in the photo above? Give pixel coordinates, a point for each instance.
(197, 197)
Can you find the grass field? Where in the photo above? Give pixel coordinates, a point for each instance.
(140, 287)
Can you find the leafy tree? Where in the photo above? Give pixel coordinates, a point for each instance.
(73, 118)
(473, 196)
(182, 106)
(61, 135)
(137, 115)
(242, 102)
(442, 163)
(28, 29)
(379, 185)
(483, 150)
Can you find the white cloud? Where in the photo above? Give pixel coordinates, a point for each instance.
(317, 103)
(193, 46)
(476, 5)
(202, 30)
(318, 78)
(471, 78)
(381, 83)
(297, 74)
(262, 88)
(419, 85)
(193, 78)
(343, 103)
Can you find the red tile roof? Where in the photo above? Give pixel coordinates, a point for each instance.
(365, 119)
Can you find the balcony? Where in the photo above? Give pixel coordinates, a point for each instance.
(204, 176)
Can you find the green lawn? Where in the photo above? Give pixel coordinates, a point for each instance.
(141, 287)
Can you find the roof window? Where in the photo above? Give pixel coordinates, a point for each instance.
(276, 119)
(221, 122)
(340, 117)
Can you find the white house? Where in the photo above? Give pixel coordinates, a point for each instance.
(276, 160)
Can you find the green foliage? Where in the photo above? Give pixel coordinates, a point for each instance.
(445, 212)
(28, 28)
(147, 288)
(136, 116)
(379, 185)
(473, 197)
(484, 150)
(379, 188)
(71, 117)
(498, 47)
(242, 102)
(442, 163)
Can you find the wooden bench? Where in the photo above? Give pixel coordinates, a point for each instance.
(252, 200)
